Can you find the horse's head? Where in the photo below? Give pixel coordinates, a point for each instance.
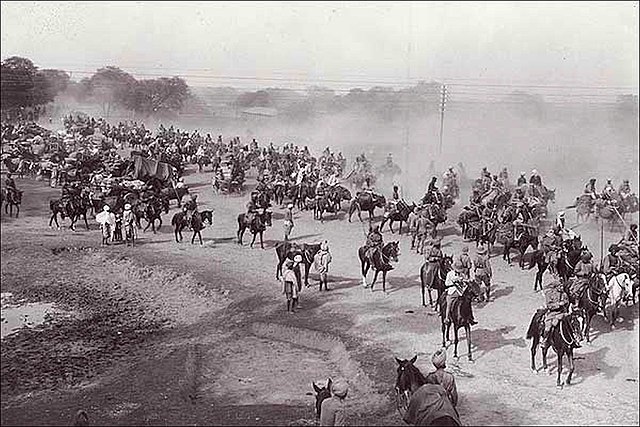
(321, 394)
(446, 263)
(473, 289)
(576, 322)
(379, 200)
(408, 376)
(391, 250)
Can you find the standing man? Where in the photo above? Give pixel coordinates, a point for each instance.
(321, 260)
(412, 222)
(290, 290)
(288, 221)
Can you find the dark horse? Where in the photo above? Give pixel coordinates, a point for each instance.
(590, 300)
(379, 261)
(461, 315)
(561, 338)
(257, 226)
(434, 281)
(288, 249)
(526, 240)
(322, 393)
(11, 199)
(179, 222)
(152, 211)
(366, 202)
(73, 208)
(399, 214)
(439, 410)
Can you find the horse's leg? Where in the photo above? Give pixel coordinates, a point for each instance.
(261, 243)
(86, 223)
(148, 224)
(422, 288)
(558, 379)
(253, 240)
(587, 324)
(455, 341)
(444, 331)
(384, 281)
(545, 349)
(364, 269)
(534, 346)
(571, 365)
(307, 267)
(375, 277)
(467, 330)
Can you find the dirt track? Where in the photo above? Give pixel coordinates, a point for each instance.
(204, 337)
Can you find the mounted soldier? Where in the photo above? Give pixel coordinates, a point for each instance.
(584, 271)
(503, 176)
(625, 189)
(557, 304)
(612, 262)
(608, 192)
(374, 241)
(535, 179)
(455, 285)
(590, 188)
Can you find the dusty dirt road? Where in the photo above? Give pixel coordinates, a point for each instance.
(168, 333)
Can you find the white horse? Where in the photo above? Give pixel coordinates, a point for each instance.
(619, 288)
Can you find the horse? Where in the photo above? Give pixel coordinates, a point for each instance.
(486, 233)
(379, 261)
(288, 249)
(257, 226)
(619, 287)
(436, 281)
(337, 194)
(569, 257)
(465, 218)
(608, 212)
(590, 300)
(179, 221)
(367, 202)
(584, 207)
(399, 214)
(506, 237)
(322, 393)
(439, 409)
(461, 315)
(197, 225)
(151, 211)
(321, 205)
(174, 194)
(11, 199)
(561, 339)
(74, 208)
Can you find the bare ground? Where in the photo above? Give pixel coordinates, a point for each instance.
(168, 333)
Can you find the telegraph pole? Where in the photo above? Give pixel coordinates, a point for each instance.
(442, 105)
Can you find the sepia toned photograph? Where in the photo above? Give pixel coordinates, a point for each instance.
(286, 213)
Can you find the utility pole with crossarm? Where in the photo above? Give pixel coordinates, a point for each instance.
(443, 100)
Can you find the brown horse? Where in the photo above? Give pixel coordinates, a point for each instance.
(257, 225)
(11, 199)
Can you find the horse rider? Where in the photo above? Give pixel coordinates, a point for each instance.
(450, 179)
(482, 269)
(395, 198)
(374, 241)
(608, 191)
(433, 257)
(535, 178)
(590, 188)
(10, 186)
(557, 304)
(503, 176)
(625, 189)
(465, 260)
(423, 226)
(442, 377)
(583, 271)
(252, 207)
(454, 286)
(432, 185)
(522, 179)
(320, 189)
(551, 244)
(612, 262)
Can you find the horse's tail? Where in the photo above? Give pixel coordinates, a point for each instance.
(534, 329)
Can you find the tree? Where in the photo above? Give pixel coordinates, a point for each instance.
(23, 85)
(111, 86)
(159, 96)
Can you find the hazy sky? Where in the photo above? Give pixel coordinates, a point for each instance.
(581, 43)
